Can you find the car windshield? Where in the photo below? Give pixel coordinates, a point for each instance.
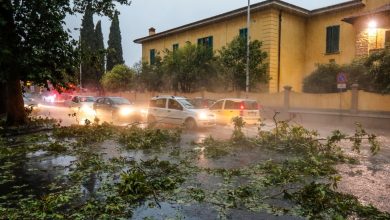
(186, 103)
(120, 101)
(87, 99)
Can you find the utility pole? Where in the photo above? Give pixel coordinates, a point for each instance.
(247, 46)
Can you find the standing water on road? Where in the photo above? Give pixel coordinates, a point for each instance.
(105, 171)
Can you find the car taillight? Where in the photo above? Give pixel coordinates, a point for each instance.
(242, 106)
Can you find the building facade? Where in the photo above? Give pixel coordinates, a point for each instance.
(296, 39)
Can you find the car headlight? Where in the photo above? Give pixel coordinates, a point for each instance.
(203, 116)
(125, 111)
(87, 110)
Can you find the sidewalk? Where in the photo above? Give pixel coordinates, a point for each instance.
(375, 120)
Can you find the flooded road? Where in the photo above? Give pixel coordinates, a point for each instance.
(369, 180)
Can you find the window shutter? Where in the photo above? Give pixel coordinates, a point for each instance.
(336, 38)
(328, 39)
(152, 56)
(210, 42)
(333, 39)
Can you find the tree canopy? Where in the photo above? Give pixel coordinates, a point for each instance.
(190, 67)
(114, 50)
(36, 46)
(120, 78)
(193, 67)
(232, 57)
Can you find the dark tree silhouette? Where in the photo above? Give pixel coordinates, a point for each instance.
(114, 50)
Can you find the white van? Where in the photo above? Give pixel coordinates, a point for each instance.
(179, 111)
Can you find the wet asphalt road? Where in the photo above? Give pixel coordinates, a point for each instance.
(369, 180)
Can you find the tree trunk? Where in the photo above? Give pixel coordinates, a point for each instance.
(3, 98)
(11, 66)
(16, 114)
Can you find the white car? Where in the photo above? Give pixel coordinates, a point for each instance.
(179, 111)
(226, 109)
(82, 104)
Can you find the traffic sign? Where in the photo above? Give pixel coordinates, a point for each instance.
(342, 77)
(341, 85)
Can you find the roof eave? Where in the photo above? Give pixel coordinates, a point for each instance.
(338, 7)
(259, 6)
(231, 14)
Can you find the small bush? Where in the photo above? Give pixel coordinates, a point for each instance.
(372, 73)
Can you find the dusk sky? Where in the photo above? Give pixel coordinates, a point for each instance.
(135, 20)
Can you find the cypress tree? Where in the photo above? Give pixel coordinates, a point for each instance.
(100, 53)
(114, 54)
(87, 38)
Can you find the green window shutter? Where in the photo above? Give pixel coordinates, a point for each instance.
(210, 42)
(244, 33)
(175, 47)
(333, 39)
(328, 39)
(336, 38)
(152, 56)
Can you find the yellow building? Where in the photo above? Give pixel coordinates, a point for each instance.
(296, 39)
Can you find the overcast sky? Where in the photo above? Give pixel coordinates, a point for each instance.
(135, 20)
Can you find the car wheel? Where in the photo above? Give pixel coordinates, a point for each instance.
(190, 124)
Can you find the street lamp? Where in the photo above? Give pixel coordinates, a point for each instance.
(372, 31)
(81, 87)
(247, 47)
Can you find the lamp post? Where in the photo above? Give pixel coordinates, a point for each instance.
(80, 84)
(247, 47)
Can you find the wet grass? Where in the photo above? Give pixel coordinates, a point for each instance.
(288, 171)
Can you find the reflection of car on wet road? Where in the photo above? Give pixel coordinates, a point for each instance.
(226, 109)
(200, 102)
(116, 109)
(178, 111)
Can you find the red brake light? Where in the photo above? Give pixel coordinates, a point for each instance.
(242, 106)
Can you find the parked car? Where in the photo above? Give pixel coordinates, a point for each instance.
(83, 104)
(116, 109)
(178, 111)
(226, 109)
(200, 102)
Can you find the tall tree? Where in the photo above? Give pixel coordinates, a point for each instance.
(233, 61)
(34, 45)
(114, 50)
(88, 49)
(100, 53)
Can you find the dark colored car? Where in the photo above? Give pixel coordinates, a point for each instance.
(116, 109)
(200, 103)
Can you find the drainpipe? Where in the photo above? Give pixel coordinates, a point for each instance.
(279, 45)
